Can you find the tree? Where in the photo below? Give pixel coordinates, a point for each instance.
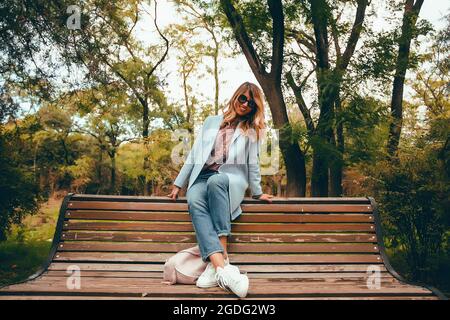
(19, 193)
(431, 90)
(271, 85)
(107, 119)
(327, 136)
(189, 58)
(408, 32)
(110, 50)
(202, 15)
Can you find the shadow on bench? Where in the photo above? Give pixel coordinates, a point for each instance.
(294, 248)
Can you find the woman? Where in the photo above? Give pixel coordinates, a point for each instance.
(222, 164)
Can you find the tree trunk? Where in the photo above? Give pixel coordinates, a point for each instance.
(271, 85)
(323, 138)
(186, 98)
(337, 165)
(411, 13)
(99, 171)
(112, 188)
(328, 83)
(216, 80)
(146, 124)
(293, 157)
(279, 189)
(319, 178)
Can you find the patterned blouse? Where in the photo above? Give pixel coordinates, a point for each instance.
(219, 152)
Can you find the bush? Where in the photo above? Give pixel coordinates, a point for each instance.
(413, 197)
(19, 194)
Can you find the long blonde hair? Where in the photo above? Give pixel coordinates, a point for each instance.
(255, 119)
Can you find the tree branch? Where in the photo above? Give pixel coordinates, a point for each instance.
(319, 17)
(165, 40)
(301, 102)
(302, 39)
(354, 35)
(276, 12)
(243, 38)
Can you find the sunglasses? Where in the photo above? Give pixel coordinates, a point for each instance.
(243, 99)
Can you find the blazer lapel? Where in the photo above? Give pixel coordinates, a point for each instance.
(213, 131)
(236, 134)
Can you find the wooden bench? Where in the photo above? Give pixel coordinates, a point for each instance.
(294, 248)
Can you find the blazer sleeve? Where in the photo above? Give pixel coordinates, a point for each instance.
(183, 176)
(254, 174)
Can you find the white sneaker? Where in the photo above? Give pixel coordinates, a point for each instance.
(208, 278)
(229, 278)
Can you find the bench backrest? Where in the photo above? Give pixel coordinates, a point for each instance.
(300, 231)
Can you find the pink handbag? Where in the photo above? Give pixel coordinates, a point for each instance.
(184, 267)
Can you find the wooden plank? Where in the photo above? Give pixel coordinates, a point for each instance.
(336, 283)
(317, 281)
(257, 207)
(247, 217)
(105, 274)
(250, 227)
(89, 266)
(309, 268)
(304, 237)
(232, 248)
(128, 236)
(237, 258)
(235, 237)
(163, 199)
(286, 268)
(258, 287)
(110, 205)
(306, 208)
(309, 276)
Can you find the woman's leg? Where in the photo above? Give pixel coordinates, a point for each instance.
(219, 205)
(205, 232)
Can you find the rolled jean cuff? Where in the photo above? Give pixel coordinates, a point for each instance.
(210, 253)
(223, 234)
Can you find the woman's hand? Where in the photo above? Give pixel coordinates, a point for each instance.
(266, 197)
(174, 194)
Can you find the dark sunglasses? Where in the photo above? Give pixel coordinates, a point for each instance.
(243, 99)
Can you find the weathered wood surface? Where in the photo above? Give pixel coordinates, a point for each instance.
(294, 248)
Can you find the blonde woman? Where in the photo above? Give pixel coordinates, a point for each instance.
(223, 163)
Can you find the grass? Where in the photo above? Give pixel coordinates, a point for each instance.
(18, 260)
(28, 244)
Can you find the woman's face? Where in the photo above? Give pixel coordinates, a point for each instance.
(242, 109)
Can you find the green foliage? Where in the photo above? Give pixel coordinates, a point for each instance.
(129, 160)
(378, 62)
(414, 199)
(364, 120)
(83, 173)
(19, 193)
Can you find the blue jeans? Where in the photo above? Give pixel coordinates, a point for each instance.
(209, 206)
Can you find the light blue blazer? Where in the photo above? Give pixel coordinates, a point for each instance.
(241, 166)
